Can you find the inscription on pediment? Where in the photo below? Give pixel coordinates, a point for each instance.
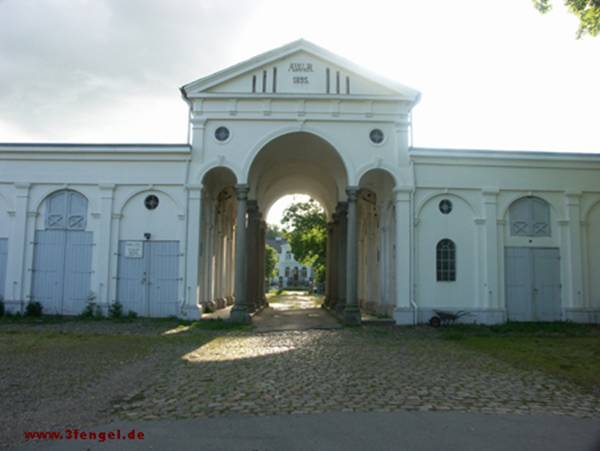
(301, 73)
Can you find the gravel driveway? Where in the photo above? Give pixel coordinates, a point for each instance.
(81, 373)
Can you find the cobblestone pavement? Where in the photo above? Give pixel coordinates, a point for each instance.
(361, 369)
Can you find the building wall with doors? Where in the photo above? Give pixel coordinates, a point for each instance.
(162, 228)
(68, 212)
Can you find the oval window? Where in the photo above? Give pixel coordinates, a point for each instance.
(445, 206)
(151, 202)
(222, 134)
(376, 136)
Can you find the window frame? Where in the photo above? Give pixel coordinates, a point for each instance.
(445, 260)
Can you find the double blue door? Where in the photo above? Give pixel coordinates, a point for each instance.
(148, 277)
(62, 268)
(532, 284)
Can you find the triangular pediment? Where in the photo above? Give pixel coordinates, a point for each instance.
(298, 68)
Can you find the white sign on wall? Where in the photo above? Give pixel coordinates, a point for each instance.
(134, 249)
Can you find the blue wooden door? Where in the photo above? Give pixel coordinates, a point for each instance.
(532, 279)
(148, 283)
(62, 268)
(3, 260)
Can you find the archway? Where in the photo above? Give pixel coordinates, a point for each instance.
(216, 269)
(376, 243)
(233, 227)
(301, 162)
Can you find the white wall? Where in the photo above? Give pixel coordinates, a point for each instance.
(592, 226)
(458, 226)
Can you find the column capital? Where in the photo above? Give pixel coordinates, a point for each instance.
(490, 190)
(402, 193)
(241, 191)
(194, 187)
(573, 198)
(352, 193)
(24, 186)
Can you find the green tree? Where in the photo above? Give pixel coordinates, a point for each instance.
(271, 259)
(306, 231)
(273, 232)
(587, 11)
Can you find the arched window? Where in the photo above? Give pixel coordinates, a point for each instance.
(529, 216)
(446, 261)
(66, 209)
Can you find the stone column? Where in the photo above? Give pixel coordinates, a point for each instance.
(231, 245)
(351, 310)
(252, 270)
(341, 272)
(328, 266)
(240, 311)
(403, 313)
(263, 278)
(219, 267)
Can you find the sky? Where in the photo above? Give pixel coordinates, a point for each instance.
(493, 74)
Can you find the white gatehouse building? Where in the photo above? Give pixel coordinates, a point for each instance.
(166, 229)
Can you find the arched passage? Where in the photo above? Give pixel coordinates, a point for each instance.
(232, 260)
(217, 235)
(376, 238)
(233, 227)
(301, 162)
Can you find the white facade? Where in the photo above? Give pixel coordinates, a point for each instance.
(300, 119)
(290, 273)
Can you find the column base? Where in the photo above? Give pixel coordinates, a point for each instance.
(340, 306)
(352, 316)
(240, 315)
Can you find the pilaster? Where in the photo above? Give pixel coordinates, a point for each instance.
(403, 313)
(17, 248)
(490, 248)
(574, 251)
(191, 298)
(104, 246)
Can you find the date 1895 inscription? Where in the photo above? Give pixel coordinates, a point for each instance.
(300, 68)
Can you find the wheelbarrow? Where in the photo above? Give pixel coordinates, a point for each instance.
(444, 318)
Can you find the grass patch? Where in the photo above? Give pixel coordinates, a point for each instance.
(563, 350)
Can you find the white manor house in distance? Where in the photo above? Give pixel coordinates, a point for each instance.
(289, 273)
(166, 229)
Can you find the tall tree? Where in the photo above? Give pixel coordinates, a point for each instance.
(306, 232)
(587, 11)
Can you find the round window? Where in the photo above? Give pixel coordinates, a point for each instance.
(222, 134)
(151, 202)
(376, 136)
(445, 206)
